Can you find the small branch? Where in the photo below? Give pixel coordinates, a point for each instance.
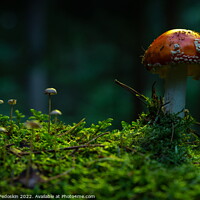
(197, 123)
(15, 151)
(65, 148)
(75, 150)
(97, 137)
(165, 104)
(194, 142)
(57, 176)
(9, 145)
(172, 137)
(153, 91)
(73, 128)
(132, 91)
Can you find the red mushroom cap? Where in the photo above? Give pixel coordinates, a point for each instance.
(177, 46)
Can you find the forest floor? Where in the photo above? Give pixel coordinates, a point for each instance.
(154, 157)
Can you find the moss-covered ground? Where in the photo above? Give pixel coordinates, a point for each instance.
(154, 157)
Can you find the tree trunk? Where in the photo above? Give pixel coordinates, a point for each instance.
(36, 41)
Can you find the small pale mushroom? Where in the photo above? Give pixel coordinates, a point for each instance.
(12, 102)
(50, 92)
(2, 130)
(174, 55)
(56, 113)
(34, 124)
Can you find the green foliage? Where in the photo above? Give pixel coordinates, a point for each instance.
(3, 120)
(155, 157)
(167, 139)
(38, 115)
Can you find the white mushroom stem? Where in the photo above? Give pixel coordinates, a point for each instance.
(175, 89)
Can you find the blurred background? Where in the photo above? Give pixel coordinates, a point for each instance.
(80, 48)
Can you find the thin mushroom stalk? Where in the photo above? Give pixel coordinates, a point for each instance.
(50, 92)
(49, 111)
(175, 90)
(12, 102)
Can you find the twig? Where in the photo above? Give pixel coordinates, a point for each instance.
(65, 148)
(197, 123)
(9, 145)
(164, 104)
(132, 91)
(97, 137)
(153, 91)
(172, 132)
(57, 176)
(73, 128)
(193, 142)
(15, 151)
(75, 150)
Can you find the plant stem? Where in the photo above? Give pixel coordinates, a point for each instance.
(11, 116)
(11, 112)
(63, 149)
(56, 119)
(4, 152)
(30, 157)
(132, 91)
(49, 123)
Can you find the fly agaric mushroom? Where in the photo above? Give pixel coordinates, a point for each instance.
(174, 55)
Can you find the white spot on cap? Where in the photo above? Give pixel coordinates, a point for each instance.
(176, 46)
(176, 52)
(176, 49)
(197, 44)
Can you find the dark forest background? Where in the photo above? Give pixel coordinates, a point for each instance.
(80, 47)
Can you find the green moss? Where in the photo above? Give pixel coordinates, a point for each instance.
(155, 157)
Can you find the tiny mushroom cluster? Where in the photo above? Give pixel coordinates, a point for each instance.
(174, 55)
(50, 92)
